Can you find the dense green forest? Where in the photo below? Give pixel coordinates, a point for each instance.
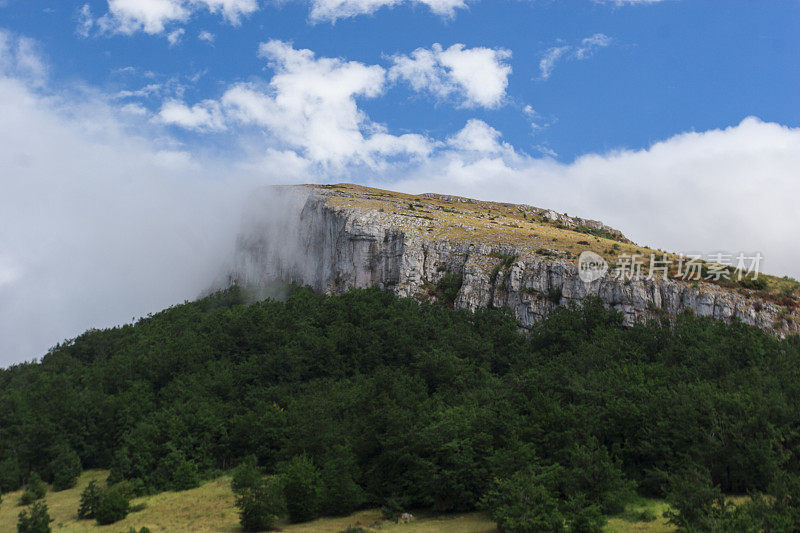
(410, 405)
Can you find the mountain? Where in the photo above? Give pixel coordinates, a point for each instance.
(471, 254)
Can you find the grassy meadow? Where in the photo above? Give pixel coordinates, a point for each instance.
(210, 508)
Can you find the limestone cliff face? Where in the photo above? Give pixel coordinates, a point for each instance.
(334, 239)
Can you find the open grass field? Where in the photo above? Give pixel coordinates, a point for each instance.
(210, 508)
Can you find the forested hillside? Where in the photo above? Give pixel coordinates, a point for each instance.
(419, 406)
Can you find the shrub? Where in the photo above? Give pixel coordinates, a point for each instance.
(259, 505)
(521, 504)
(697, 504)
(131, 488)
(757, 284)
(645, 516)
(554, 295)
(448, 286)
(112, 507)
(582, 516)
(778, 512)
(65, 467)
(35, 519)
(90, 497)
(11, 474)
(301, 488)
(246, 475)
(175, 472)
(185, 476)
(596, 476)
(34, 490)
(392, 510)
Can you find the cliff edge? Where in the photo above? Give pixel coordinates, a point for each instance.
(470, 254)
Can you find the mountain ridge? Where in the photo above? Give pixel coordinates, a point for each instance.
(471, 253)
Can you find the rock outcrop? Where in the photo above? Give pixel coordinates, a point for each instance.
(346, 236)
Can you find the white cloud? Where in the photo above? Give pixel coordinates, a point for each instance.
(549, 59)
(310, 105)
(332, 10)
(85, 21)
(732, 189)
(474, 76)
(204, 116)
(150, 16)
(206, 36)
(590, 44)
(147, 90)
(98, 225)
(628, 2)
(103, 216)
(9, 271)
(153, 16)
(174, 37)
(232, 10)
(20, 58)
(477, 136)
(585, 50)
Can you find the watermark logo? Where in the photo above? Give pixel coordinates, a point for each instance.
(717, 267)
(591, 266)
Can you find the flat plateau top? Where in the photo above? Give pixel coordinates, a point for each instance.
(531, 230)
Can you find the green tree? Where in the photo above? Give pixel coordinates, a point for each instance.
(302, 488)
(260, 504)
(341, 495)
(35, 519)
(246, 475)
(65, 468)
(522, 504)
(593, 474)
(112, 507)
(185, 476)
(35, 489)
(697, 504)
(583, 516)
(90, 498)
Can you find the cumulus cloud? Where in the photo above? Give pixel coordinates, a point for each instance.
(478, 137)
(154, 16)
(203, 116)
(309, 105)
(333, 10)
(584, 50)
(474, 76)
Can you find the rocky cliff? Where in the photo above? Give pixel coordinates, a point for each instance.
(469, 254)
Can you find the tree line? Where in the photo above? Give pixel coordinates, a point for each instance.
(404, 405)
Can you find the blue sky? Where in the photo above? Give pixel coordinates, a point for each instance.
(669, 66)
(132, 131)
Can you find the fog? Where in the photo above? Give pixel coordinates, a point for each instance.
(97, 225)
